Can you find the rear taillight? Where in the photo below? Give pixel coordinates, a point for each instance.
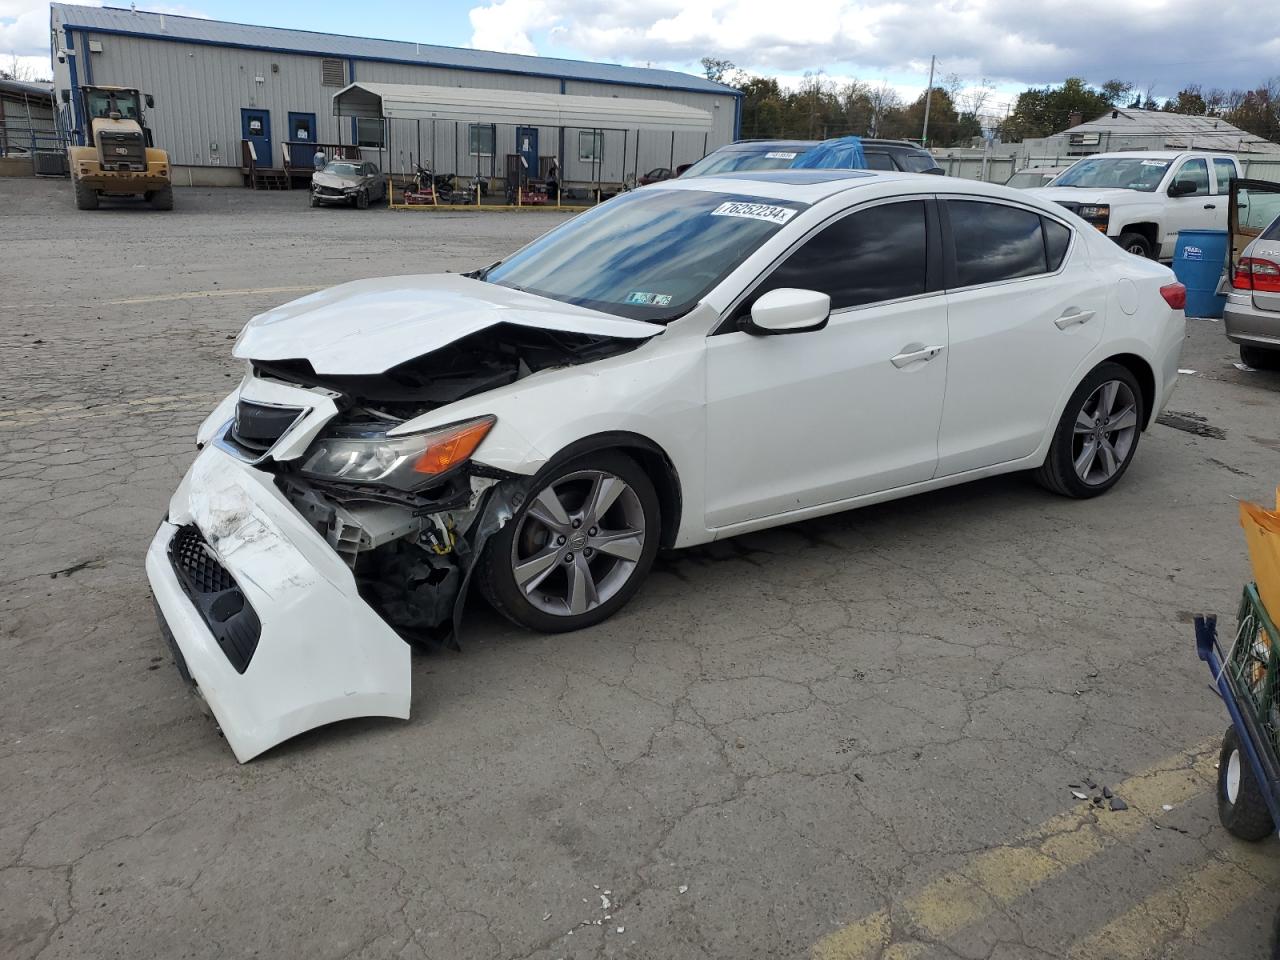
(1175, 295)
(1254, 273)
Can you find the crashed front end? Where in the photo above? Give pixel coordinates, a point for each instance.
(320, 531)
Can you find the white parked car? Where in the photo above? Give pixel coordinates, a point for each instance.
(687, 362)
(1142, 199)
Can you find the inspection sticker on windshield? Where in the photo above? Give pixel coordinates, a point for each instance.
(779, 155)
(754, 211)
(649, 299)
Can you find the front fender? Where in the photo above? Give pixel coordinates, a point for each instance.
(655, 392)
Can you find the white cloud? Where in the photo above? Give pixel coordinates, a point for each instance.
(507, 24)
(24, 28)
(1149, 42)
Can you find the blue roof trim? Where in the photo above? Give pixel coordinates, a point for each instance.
(696, 85)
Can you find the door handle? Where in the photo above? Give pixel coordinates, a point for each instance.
(1210, 206)
(911, 356)
(1070, 319)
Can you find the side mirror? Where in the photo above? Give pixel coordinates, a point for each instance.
(1182, 188)
(788, 311)
(149, 100)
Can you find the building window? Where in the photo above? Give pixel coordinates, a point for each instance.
(369, 132)
(482, 139)
(333, 73)
(590, 145)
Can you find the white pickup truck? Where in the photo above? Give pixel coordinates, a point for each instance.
(1141, 199)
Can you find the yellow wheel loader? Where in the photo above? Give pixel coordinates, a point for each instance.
(119, 160)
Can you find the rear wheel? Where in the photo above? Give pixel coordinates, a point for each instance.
(1097, 436)
(1136, 244)
(162, 199)
(86, 196)
(1241, 805)
(578, 548)
(1260, 358)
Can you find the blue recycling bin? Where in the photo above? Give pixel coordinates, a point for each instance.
(1198, 262)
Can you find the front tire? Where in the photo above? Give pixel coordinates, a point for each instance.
(578, 548)
(1241, 805)
(1136, 244)
(362, 199)
(1096, 438)
(86, 196)
(162, 199)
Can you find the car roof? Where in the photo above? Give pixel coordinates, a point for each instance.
(1154, 154)
(746, 146)
(812, 186)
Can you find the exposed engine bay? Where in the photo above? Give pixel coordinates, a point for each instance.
(410, 539)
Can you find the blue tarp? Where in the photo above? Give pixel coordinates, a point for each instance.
(843, 153)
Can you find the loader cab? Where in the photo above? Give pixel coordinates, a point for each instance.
(114, 104)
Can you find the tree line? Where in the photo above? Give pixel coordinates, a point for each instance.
(820, 108)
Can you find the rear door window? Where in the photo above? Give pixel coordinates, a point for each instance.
(869, 256)
(1056, 240)
(878, 161)
(1223, 171)
(994, 242)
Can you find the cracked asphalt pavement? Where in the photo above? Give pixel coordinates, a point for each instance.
(851, 737)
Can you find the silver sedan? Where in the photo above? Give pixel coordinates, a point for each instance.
(348, 182)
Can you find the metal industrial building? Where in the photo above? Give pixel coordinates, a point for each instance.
(216, 84)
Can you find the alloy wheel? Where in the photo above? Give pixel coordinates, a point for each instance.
(1106, 429)
(578, 543)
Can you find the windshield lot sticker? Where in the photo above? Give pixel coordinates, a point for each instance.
(779, 155)
(649, 299)
(1154, 163)
(754, 211)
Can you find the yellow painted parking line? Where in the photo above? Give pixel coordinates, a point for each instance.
(201, 294)
(998, 876)
(1202, 898)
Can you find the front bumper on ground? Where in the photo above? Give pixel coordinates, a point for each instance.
(1245, 323)
(322, 654)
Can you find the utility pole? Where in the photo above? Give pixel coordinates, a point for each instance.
(928, 99)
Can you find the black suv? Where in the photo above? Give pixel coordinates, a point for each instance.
(780, 154)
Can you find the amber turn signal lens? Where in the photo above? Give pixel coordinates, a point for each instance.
(449, 447)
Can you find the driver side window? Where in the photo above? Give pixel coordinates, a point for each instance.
(866, 257)
(1197, 171)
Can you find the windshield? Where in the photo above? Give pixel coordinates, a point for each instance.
(647, 255)
(103, 103)
(729, 161)
(1124, 173)
(339, 169)
(1028, 178)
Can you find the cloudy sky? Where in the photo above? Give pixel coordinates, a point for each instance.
(1161, 44)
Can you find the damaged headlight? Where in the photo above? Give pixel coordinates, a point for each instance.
(404, 462)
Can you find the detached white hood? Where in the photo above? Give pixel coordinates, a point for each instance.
(1091, 195)
(369, 326)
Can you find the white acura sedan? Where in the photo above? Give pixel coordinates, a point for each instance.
(687, 362)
